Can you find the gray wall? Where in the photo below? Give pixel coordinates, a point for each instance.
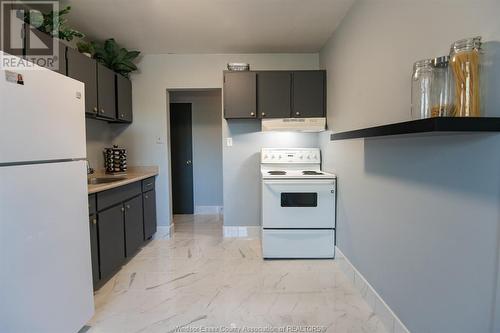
(99, 136)
(242, 187)
(147, 138)
(417, 216)
(207, 143)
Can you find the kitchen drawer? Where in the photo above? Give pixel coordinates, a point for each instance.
(298, 243)
(148, 184)
(92, 204)
(117, 195)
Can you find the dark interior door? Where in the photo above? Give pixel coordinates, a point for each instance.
(182, 158)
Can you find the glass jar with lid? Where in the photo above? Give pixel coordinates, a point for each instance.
(441, 88)
(465, 64)
(421, 89)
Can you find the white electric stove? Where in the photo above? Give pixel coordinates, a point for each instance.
(298, 204)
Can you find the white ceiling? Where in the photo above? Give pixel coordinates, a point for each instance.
(211, 26)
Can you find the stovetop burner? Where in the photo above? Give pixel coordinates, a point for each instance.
(277, 173)
(311, 173)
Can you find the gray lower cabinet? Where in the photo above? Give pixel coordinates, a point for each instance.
(83, 68)
(123, 99)
(94, 249)
(240, 95)
(274, 94)
(121, 220)
(134, 228)
(111, 240)
(106, 92)
(309, 94)
(149, 204)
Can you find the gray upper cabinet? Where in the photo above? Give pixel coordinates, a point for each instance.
(309, 97)
(240, 95)
(83, 68)
(123, 99)
(274, 94)
(61, 57)
(106, 92)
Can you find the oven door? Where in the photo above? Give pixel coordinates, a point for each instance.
(298, 204)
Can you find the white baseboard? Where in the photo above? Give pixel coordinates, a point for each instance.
(392, 323)
(242, 232)
(204, 210)
(164, 232)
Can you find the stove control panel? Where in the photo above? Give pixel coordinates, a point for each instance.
(299, 155)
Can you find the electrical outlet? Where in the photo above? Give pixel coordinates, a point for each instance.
(229, 142)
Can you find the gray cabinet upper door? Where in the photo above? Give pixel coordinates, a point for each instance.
(274, 94)
(149, 204)
(83, 68)
(134, 232)
(308, 94)
(111, 240)
(59, 64)
(123, 99)
(240, 95)
(106, 92)
(94, 252)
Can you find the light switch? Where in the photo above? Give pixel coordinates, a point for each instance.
(229, 142)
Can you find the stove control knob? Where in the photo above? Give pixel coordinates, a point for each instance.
(301, 157)
(308, 157)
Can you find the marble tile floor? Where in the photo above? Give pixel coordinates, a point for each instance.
(199, 279)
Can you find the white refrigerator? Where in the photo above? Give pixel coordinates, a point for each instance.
(45, 268)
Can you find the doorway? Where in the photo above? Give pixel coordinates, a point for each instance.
(181, 134)
(203, 150)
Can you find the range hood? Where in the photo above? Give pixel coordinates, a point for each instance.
(294, 124)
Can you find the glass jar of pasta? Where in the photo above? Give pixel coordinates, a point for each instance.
(421, 89)
(465, 64)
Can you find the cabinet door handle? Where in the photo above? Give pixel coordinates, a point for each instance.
(263, 114)
(297, 113)
(147, 197)
(102, 110)
(128, 206)
(150, 184)
(123, 209)
(96, 109)
(122, 115)
(94, 221)
(252, 114)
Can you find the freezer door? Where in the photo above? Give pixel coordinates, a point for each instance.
(41, 119)
(45, 268)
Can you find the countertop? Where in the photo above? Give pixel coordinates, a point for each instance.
(133, 175)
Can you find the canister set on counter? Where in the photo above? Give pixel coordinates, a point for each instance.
(115, 160)
(449, 86)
